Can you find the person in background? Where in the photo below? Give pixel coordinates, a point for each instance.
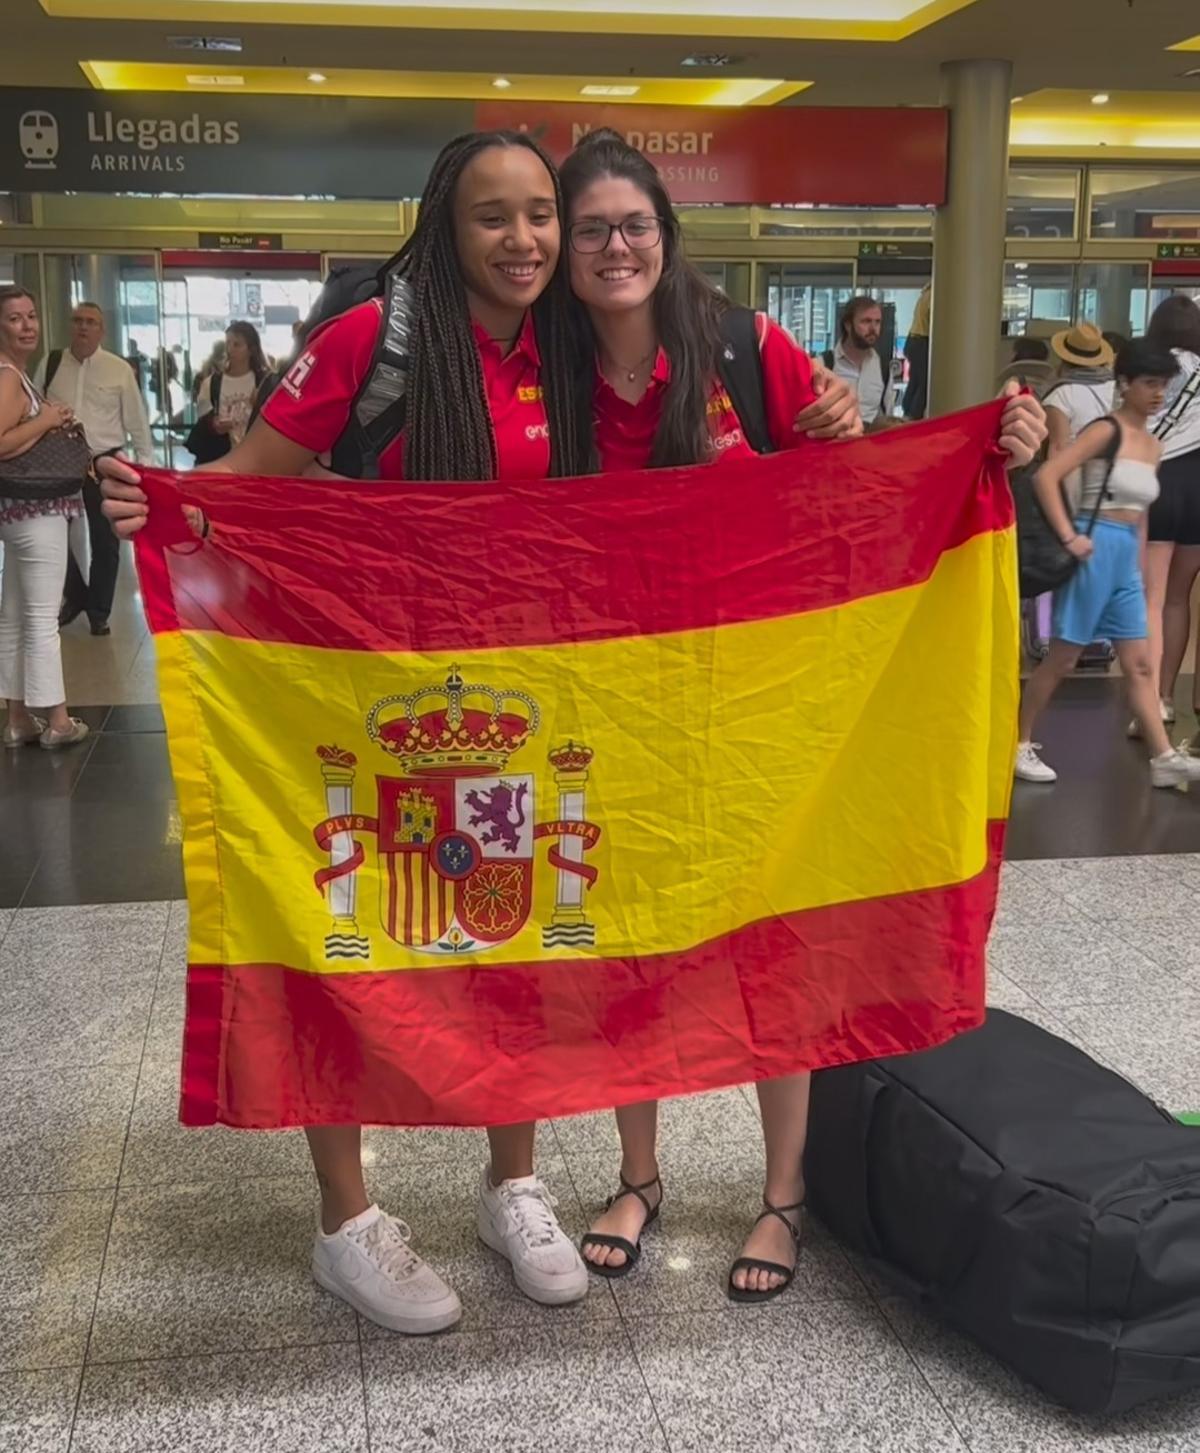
(1030, 366)
(34, 536)
(856, 359)
(916, 351)
(1116, 341)
(100, 390)
(227, 402)
(214, 363)
(1105, 596)
(1084, 391)
(1173, 552)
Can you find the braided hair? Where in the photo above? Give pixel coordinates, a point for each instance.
(449, 434)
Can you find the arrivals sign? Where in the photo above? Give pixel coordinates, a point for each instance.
(351, 147)
(156, 141)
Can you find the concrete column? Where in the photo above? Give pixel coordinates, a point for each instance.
(968, 236)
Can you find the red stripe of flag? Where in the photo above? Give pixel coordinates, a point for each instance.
(524, 1041)
(541, 561)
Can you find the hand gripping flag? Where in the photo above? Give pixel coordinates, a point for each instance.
(504, 801)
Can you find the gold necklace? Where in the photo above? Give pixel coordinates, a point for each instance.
(632, 373)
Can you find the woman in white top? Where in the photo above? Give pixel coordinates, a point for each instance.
(1173, 554)
(1105, 596)
(34, 535)
(234, 388)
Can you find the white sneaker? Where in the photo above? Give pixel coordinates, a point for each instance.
(1030, 767)
(1174, 769)
(369, 1263)
(1134, 730)
(1168, 712)
(516, 1219)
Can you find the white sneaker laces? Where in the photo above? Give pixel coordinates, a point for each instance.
(533, 1210)
(385, 1244)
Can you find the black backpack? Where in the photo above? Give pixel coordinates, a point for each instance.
(1044, 562)
(378, 409)
(1035, 1200)
(740, 368)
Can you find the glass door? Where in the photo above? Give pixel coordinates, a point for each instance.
(804, 298)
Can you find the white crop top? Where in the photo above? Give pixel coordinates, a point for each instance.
(1132, 485)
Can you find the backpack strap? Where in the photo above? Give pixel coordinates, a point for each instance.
(379, 410)
(1183, 402)
(53, 359)
(1109, 458)
(740, 367)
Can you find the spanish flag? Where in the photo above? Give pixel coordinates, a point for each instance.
(505, 801)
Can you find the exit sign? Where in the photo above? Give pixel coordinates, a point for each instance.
(1184, 251)
(241, 241)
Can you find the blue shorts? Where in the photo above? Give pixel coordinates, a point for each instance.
(1105, 598)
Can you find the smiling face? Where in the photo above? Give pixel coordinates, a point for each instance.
(506, 228)
(19, 327)
(619, 276)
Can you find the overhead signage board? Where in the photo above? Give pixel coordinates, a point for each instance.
(352, 147)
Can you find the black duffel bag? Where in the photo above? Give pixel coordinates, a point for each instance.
(1035, 1200)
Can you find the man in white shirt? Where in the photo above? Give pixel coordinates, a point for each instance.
(103, 392)
(856, 359)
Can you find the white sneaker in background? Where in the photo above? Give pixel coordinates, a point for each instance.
(1168, 712)
(1134, 730)
(1174, 769)
(516, 1219)
(369, 1264)
(1030, 767)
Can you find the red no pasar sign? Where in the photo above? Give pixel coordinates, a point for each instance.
(837, 156)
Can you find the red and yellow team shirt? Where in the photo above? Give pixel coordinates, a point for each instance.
(625, 432)
(311, 406)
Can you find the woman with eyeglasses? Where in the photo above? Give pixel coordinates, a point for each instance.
(654, 322)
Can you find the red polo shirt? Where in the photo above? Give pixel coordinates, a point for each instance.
(625, 432)
(311, 406)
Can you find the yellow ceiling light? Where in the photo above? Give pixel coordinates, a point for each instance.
(442, 85)
(868, 20)
(1074, 123)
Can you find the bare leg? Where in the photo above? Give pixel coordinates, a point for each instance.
(638, 1126)
(1138, 670)
(1159, 554)
(783, 1105)
(1057, 664)
(512, 1151)
(1177, 615)
(337, 1159)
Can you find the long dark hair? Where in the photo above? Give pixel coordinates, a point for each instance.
(450, 432)
(248, 333)
(687, 308)
(1175, 323)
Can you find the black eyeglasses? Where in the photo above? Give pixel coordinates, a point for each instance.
(593, 235)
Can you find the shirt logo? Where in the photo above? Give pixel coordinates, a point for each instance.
(537, 431)
(296, 376)
(529, 394)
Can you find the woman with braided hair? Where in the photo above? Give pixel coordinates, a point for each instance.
(490, 384)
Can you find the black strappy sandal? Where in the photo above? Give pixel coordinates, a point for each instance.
(752, 1263)
(633, 1253)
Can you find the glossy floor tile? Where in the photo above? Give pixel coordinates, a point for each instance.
(155, 1295)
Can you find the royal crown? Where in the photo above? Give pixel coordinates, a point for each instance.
(454, 730)
(571, 757)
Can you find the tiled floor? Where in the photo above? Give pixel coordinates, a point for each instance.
(154, 1287)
